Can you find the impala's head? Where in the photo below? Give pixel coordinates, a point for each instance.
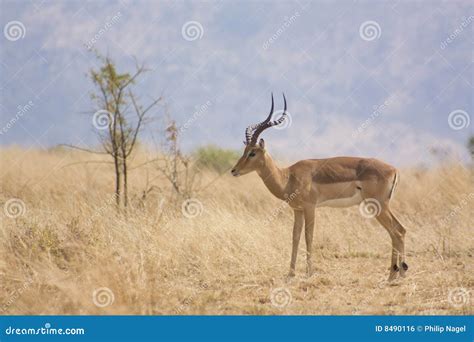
(254, 153)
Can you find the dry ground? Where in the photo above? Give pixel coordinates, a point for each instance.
(69, 244)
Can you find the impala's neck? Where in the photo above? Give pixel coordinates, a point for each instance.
(275, 179)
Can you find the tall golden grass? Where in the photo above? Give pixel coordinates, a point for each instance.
(70, 252)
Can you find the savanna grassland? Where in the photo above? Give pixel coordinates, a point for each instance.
(64, 248)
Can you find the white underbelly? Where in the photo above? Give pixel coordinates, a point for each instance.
(341, 202)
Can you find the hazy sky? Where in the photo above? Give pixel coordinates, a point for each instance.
(366, 78)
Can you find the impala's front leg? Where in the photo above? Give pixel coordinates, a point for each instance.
(298, 226)
(309, 229)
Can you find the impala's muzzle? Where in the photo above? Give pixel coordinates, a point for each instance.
(234, 172)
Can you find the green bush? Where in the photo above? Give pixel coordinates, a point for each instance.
(215, 158)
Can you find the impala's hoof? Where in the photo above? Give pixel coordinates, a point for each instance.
(392, 277)
(291, 274)
(403, 269)
(393, 273)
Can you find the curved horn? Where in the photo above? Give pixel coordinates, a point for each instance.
(267, 123)
(282, 117)
(249, 130)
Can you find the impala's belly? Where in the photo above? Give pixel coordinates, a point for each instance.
(339, 195)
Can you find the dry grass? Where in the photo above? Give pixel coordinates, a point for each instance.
(70, 242)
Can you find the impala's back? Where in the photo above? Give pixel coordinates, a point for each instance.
(342, 181)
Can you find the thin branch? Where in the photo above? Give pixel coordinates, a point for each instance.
(141, 115)
(140, 70)
(145, 163)
(83, 149)
(87, 162)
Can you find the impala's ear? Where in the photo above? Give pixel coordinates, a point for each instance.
(261, 143)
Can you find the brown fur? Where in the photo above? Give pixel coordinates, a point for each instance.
(339, 181)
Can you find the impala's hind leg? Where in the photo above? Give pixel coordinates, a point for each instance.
(386, 219)
(400, 230)
(308, 232)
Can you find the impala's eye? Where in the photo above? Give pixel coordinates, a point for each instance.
(252, 154)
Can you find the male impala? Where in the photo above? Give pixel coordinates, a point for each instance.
(333, 182)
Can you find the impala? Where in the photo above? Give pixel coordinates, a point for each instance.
(333, 182)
